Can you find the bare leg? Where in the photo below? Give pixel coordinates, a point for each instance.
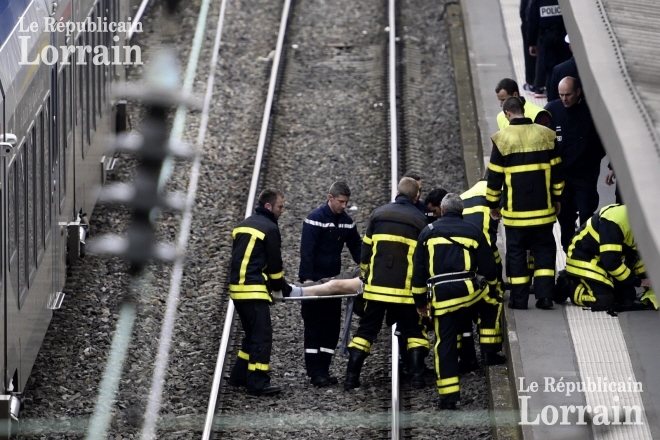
(334, 287)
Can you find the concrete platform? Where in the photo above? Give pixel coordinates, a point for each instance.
(565, 348)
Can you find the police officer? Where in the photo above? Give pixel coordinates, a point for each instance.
(581, 151)
(507, 88)
(256, 271)
(325, 230)
(449, 254)
(545, 36)
(387, 269)
(525, 162)
(561, 71)
(603, 260)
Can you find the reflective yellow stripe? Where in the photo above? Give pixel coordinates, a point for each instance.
(527, 168)
(519, 280)
(544, 273)
(584, 269)
(462, 240)
(243, 355)
(387, 290)
(490, 331)
(251, 295)
(449, 390)
(555, 160)
(247, 288)
(276, 276)
(395, 299)
(623, 272)
(394, 238)
(475, 210)
(558, 185)
(364, 266)
(366, 240)
(528, 214)
(258, 367)
(534, 222)
(611, 247)
(490, 340)
(417, 343)
(495, 168)
(419, 290)
(445, 382)
(450, 305)
(361, 344)
(246, 230)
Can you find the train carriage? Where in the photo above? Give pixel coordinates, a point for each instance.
(55, 111)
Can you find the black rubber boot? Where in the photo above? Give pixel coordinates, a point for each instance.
(416, 358)
(355, 360)
(493, 359)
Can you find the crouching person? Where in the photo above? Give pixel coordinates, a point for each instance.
(450, 253)
(603, 267)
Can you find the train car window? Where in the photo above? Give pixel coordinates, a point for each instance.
(101, 67)
(21, 222)
(79, 76)
(12, 226)
(30, 194)
(49, 145)
(69, 98)
(39, 176)
(63, 125)
(93, 78)
(86, 110)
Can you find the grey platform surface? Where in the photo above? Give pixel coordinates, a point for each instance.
(542, 340)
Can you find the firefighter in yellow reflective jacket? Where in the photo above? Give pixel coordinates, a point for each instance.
(477, 212)
(386, 263)
(256, 273)
(450, 253)
(525, 173)
(603, 258)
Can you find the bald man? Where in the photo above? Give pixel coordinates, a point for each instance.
(581, 151)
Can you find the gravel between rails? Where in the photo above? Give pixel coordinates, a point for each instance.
(339, 136)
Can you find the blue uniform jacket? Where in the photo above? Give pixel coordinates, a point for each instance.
(323, 238)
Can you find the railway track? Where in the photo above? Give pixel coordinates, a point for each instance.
(334, 76)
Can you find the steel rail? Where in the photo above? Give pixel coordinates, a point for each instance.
(110, 381)
(162, 359)
(395, 428)
(136, 20)
(229, 317)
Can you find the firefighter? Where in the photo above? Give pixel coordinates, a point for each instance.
(477, 212)
(255, 277)
(603, 262)
(449, 254)
(525, 174)
(386, 264)
(324, 233)
(507, 88)
(423, 207)
(433, 200)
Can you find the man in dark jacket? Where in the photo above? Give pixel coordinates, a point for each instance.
(423, 208)
(581, 151)
(546, 33)
(561, 71)
(255, 277)
(386, 266)
(449, 254)
(325, 230)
